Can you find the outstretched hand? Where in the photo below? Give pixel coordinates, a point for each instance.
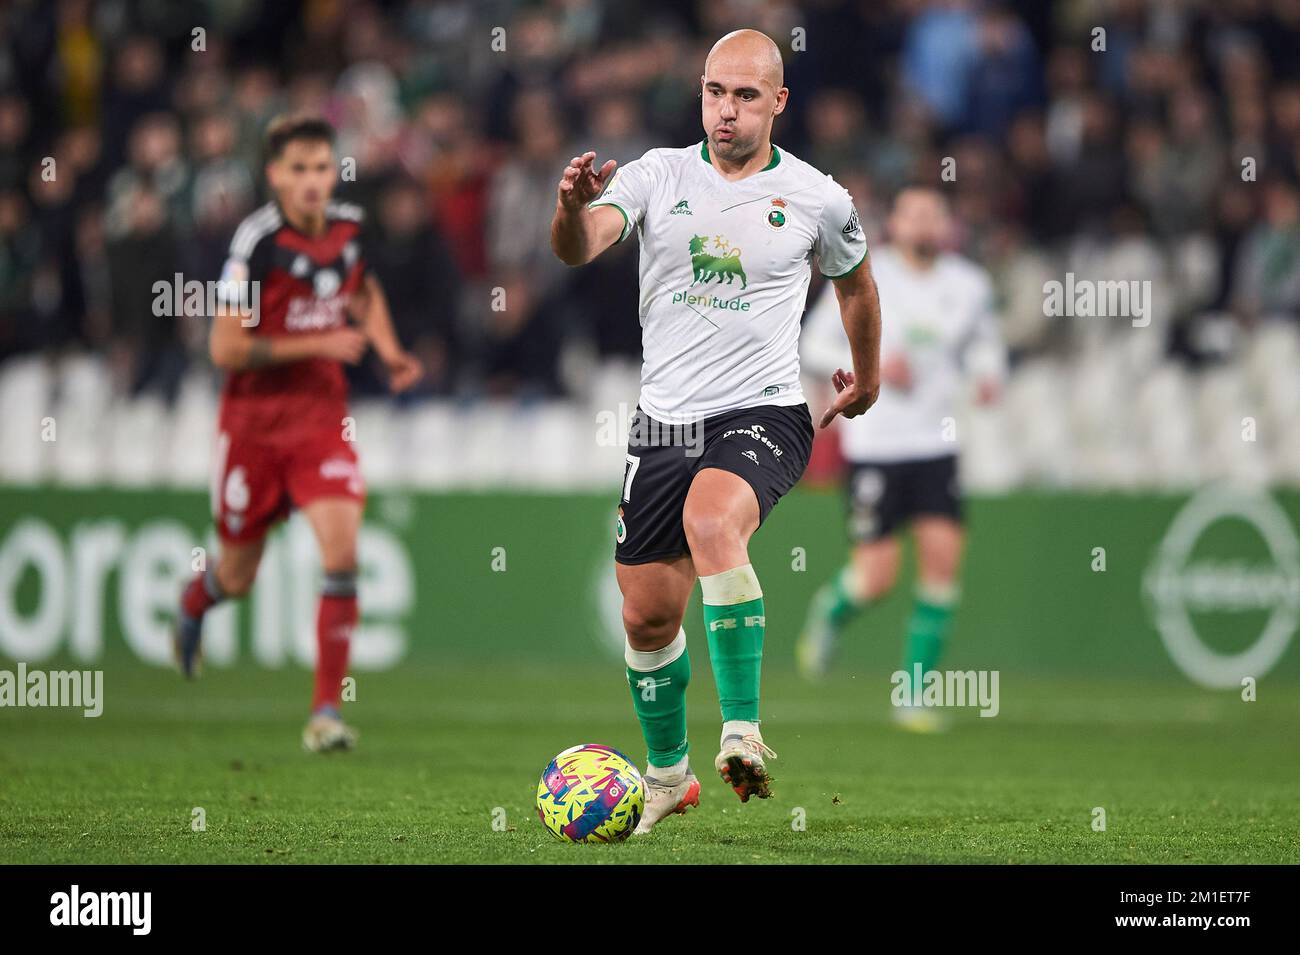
(852, 398)
(404, 370)
(581, 182)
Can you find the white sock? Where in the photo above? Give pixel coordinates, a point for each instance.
(669, 775)
(739, 728)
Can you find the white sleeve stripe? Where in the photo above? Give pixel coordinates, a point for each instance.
(252, 230)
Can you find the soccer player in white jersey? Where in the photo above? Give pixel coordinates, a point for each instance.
(728, 229)
(903, 456)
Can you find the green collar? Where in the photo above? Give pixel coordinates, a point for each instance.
(776, 155)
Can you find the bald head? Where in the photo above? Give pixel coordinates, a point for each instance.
(747, 52)
(742, 92)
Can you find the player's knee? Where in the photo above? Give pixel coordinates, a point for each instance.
(875, 585)
(649, 627)
(940, 568)
(235, 580)
(710, 532)
(876, 568)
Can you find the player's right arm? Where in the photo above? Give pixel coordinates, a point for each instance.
(580, 232)
(234, 347)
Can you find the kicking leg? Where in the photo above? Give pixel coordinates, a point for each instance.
(336, 522)
(720, 516)
(865, 579)
(658, 672)
(230, 575)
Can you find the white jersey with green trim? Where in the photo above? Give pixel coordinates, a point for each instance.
(725, 268)
(941, 319)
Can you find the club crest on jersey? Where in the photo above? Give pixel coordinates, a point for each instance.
(722, 263)
(325, 283)
(777, 217)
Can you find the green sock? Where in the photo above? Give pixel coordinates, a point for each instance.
(658, 680)
(927, 631)
(834, 602)
(734, 619)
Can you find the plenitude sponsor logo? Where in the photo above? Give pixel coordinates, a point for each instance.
(710, 301)
(1204, 583)
(104, 581)
(72, 688)
(75, 907)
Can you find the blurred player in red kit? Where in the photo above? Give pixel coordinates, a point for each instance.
(299, 301)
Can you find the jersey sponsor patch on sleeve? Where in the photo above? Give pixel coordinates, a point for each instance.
(852, 225)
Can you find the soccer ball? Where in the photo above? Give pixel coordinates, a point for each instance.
(591, 793)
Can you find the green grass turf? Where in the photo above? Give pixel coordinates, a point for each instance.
(1184, 775)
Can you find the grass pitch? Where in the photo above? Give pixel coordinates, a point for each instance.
(1184, 776)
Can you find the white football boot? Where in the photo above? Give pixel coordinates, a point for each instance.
(919, 719)
(666, 797)
(326, 732)
(741, 765)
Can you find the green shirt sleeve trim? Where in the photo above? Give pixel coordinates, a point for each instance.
(850, 271)
(627, 222)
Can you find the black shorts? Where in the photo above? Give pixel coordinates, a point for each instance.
(767, 445)
(884, 496)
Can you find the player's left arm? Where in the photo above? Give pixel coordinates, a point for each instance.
(841, 249)
(376, 321)
(860, 311)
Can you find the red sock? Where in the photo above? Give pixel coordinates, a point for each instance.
(196, 599)
(334, 623)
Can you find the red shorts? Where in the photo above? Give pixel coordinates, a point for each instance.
(255, 484)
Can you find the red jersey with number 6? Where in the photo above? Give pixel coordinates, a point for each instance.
(303, 286)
